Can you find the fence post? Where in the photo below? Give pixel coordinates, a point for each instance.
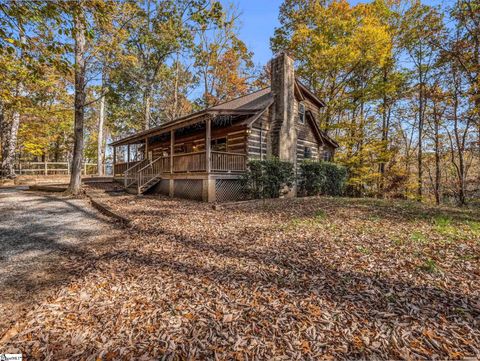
(45, 167)
(68, 167)
(84, 168)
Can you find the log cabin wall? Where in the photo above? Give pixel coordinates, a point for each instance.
(231, 139)
(259, 140)
(259, 146)
(308, 146)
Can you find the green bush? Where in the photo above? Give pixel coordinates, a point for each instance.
(321, 178)
(266, 178)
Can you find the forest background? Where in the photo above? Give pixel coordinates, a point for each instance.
(400, 79)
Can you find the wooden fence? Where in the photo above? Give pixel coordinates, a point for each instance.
(52, 168)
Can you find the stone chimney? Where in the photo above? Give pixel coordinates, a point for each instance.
(283, 132)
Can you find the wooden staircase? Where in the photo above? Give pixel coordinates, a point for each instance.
(143, 175)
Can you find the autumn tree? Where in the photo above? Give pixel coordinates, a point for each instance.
(436, 103)
(464, 49)
(340, 51)
(421, 24)
(26, 47)
(14, 61)
(222, 61)
(174, 87)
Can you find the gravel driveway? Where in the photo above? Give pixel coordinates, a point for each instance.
(42, 239)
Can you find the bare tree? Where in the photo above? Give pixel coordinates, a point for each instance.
(458, 134)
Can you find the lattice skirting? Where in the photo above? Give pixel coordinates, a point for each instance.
(229, 190)
(188, 188)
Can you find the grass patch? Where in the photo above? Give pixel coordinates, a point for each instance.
(317, 219)
(418, 237)
(474, 227)
(455, 230)
(444, 225)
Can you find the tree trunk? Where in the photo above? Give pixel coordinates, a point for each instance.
(79, 33)
(437, 158)
(459, 145)
(147, 100)
(420, 140)
(100, 147)
(2, 130)
(175, 94)
(477, 115)
(56, 154)
(385, 129)
(7, 169)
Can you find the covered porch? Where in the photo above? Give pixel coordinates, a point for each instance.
(205, 149)
(213, 144)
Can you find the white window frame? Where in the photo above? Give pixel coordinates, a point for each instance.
(301, 113)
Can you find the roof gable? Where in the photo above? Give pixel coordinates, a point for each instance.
(253, 101)
(318, 132)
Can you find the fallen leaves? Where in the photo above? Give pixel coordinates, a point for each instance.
(267, 280)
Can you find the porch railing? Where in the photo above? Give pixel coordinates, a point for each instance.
(130, 174)
(150, 171)
(182, 163)
(228, 162)
(120, 168)
(189, 162)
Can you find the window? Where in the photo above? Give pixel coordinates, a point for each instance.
(219, 144)
(307, 153)
(327, 155)
(301, 113)
(179, 149)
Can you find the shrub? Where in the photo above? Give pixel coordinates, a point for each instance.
(266, 178)
(321, 178)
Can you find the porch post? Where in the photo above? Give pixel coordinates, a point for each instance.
(171, 181)
(145, 156)
(208, 183)
(208, 141)
(128, 166)
(172, 147)
(114, 159)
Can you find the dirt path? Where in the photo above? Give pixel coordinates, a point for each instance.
(42, 239)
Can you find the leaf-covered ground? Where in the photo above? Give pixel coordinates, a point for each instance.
(284, 279)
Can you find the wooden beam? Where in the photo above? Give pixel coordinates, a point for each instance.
(128, 153)
(208, 141)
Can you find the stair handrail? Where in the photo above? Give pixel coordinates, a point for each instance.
(141, 176)
(128, 180)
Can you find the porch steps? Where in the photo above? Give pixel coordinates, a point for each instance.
(135, 189)
(149, 184)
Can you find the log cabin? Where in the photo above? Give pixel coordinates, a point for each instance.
(203, 155)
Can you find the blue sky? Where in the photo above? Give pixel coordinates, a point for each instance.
(258, 21)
